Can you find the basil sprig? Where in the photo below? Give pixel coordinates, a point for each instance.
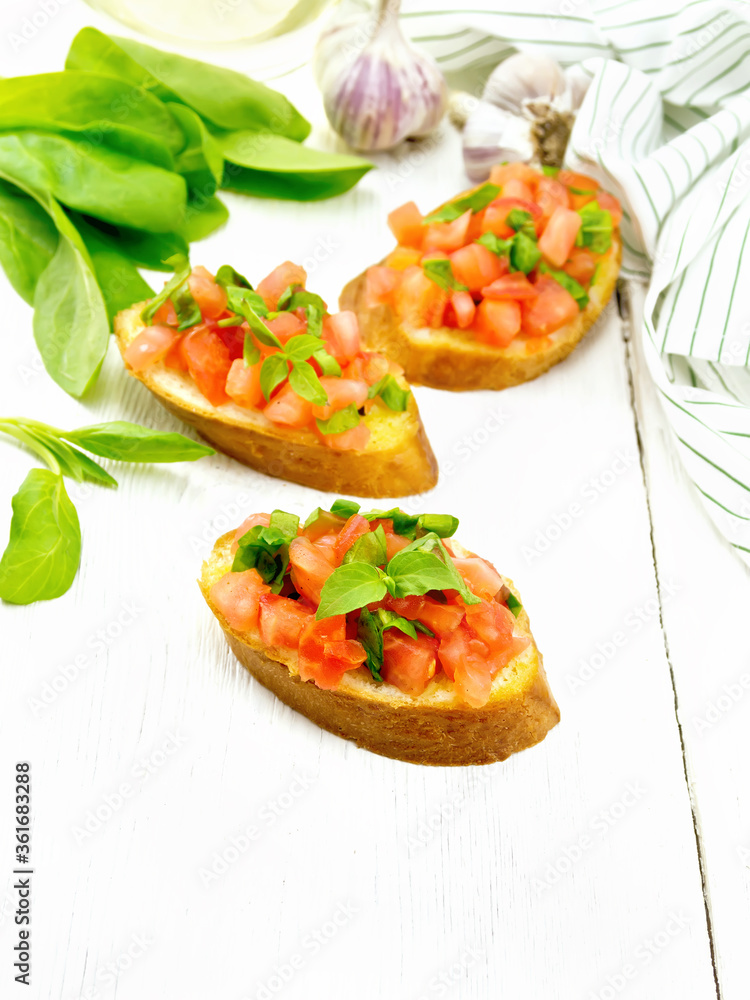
(295, 297)
(266, 549)
(422, 566)
(44, 549)
(407, 525)
(440, 271)
(596, 227)
(521, 249)
(475, 201)
(176, 289)
(370, 629)
(578, 292)
(394, 397)
(369, 548)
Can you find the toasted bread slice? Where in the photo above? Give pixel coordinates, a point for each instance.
(435, 727)
(397, 461)
(448, 358)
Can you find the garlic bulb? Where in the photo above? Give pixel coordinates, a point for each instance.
(377, 89)
(526, 113)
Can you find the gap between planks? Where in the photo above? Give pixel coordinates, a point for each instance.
(628, 335)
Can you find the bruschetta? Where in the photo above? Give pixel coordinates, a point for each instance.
(268, 376)
(382, 629)
(496, 286)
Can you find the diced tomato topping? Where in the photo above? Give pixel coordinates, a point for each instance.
(476, 266)
(517, 189)
(152, 344)
(419, 301)
(325, 524)
(394, 543)
(166, 314)
(551, 194)
(354, 439)
(581, 265)
(327, 545)
(208, 361)
(465, 660)
(482, 578)
(210, 298)
(341, 392)
(237, 596)
(289, 409)
(510, 286)
(409, 664)
(608, 202)
(325, 654)
(309, 568)
(282, 620)
(277, 282)
(341, 334)
(463, 308)
(581, 182)
(498, 210)
(380, 284)
(286, 325)
(497, 321)
(243, 384)
(405, 223)
(355, 528)
(368, 366)
(247, 524)
(501, 173)
(233, 337)
(441, 619)
(553, 308)
(492, 622)
(559, 236)
(403, 257)
(447, 236)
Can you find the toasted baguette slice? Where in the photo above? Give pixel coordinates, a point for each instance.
(448, 358)
(435, 727)
(397, 461)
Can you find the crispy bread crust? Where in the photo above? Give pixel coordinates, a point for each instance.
(446, 358)
(434, 728)
(398, 460)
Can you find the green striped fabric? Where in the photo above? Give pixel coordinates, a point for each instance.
(666, 126)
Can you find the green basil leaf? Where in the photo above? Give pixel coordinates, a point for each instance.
(389, 619)
(394, 397)
(328, 364)
(187, 309)
(475, 201)
(301, 347)
(522, 222)
(73, 463)
(240, 298)
(304, 380)
(222, 96)
(349, 587)
(285, 523)
(344, 508)
(578, 292)
(443, 525)
(259, 328)
(550, 171)
(314, 321)
(406, 570)
(28, 240)
(370, 635)
(313, 517)
(498, 246)
(250, 351)
(369, 548)
(403, 523)
(270, 166)
(596, 228)
(42, 556)
(181, 266)
(128, 442)
(524, 253)
(440, 272)
(342, 420)
(266, 550)
(423, 629)
(226, 276)
(514, 605)
(295, 297)
(273, 372)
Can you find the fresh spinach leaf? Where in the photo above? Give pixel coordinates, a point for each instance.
(28, 239)
(118, 278)
(128, 442)
(200, 162)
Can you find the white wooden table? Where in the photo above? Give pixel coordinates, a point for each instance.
(194, 838)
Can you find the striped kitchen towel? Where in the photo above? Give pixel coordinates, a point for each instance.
(666, 125)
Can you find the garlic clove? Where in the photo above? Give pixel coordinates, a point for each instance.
(522, 78)
(493, 136)
(377, 89)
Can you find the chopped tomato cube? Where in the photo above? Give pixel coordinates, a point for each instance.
(492, 622)
(581, 265)
(341, 392)
(419, 301)
(559, 236)
(515, 188)
(498, 210)
(277, 282)
(285, 326)
(581, 182)
(482, 578)
(551, 194)
(282, 620)
(368, 366)
(403, 257)
(233, 337)
(289, 409)
(152, 344)
(210, 298)
(465, 660)
(325, 654)
(463, 308)
(497, 321)
(247, 524)
(409, 664)
(354, 439)
(510, 286)
(355, 528)
(341, 335)
(394, 543)
(243, 384)
(309, 568)
(237, 596)
(325, 524)
(476, 266)
(208, 361)
(405, 223)
(501, 173)
(442, 619)
(553, 308)
(608, 202)
(380, 284)
(447, 236)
